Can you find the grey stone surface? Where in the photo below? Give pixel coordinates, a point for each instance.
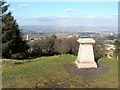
(88, 72)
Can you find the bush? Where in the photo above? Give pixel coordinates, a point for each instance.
(20, 56)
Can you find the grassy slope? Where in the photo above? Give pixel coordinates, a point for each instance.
(50, 72)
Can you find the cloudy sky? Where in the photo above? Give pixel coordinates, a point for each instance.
(65, 13)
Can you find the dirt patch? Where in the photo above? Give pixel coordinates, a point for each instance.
(88, 72)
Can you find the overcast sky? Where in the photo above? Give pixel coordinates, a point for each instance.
(65, 13)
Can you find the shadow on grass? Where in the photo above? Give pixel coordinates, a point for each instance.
(88, 73)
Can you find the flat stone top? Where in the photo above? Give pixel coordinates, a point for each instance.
(86, 36)
(86, 40)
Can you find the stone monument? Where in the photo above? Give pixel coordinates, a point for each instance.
(85, 58)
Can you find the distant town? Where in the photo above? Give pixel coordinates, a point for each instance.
(109, 35)
(67, 32)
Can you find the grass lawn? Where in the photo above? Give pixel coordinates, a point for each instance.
(51, 72)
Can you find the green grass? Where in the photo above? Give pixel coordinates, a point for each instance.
(50, 72)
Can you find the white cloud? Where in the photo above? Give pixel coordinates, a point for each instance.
(11, 9)
(107, 17)
(63, 16)
(64, 20)
(90, 17)
(57, 16)
(116, 14)
(24, 5)
(38, 16)
(99, 17)
(69, 10)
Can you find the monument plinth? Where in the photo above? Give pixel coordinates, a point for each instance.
(85, 58)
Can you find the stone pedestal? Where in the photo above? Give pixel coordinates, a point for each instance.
(85, 58)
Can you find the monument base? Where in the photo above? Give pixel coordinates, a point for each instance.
(86, 64)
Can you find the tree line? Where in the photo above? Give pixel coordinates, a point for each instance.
(52, 45)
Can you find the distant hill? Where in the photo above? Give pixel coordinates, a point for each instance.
(53, 29)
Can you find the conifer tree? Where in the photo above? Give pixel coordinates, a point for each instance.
(13, 45)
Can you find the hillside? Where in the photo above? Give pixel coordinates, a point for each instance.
(51, 72)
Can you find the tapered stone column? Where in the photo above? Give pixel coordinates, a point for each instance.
(85, 58)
